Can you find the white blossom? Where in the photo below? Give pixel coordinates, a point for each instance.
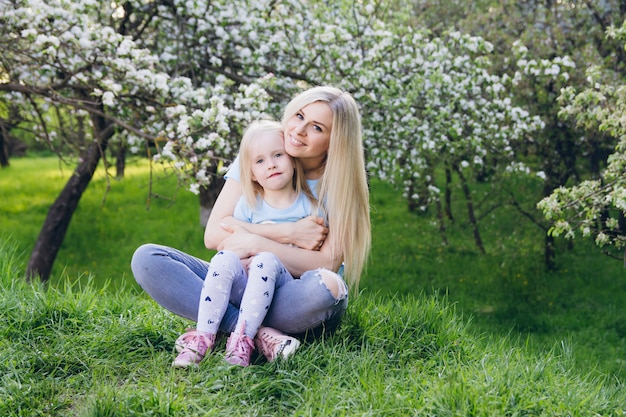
(108, 98)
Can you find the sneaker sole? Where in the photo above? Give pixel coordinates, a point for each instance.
(288, 348)
(183, 364)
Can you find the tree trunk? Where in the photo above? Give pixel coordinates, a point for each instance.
(209, 194)
(441, 217)
(470, 210)
(60, 213)
(412, 204)
(442, 222)
(449, 194)
(549, 249)
(421, 189)
(549, 252)
(4, 146)
(120, 161)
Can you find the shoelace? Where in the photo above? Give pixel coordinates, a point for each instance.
(197, 344)
(242, 346)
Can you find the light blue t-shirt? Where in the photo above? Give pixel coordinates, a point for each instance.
(264, 213)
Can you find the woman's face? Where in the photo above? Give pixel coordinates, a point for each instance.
(307, 133)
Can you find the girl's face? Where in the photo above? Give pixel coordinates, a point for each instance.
(307, 133)
(271, 166)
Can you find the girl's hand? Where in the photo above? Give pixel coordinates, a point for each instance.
(308, 233)
(245, 262)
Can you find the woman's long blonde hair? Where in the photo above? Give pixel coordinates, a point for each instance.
(252, 189)
(342, 189)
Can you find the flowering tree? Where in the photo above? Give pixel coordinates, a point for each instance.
(187, 75)
(595, 208)
(77, 76)
(553, 156)
(442, 110)
(544, 46)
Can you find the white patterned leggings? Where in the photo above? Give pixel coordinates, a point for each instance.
(228, 282)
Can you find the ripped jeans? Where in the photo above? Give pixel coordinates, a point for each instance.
(311, 304)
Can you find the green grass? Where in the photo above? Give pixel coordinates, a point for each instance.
(78, 350)
(508, 290)
(93, 344)
(112, 219)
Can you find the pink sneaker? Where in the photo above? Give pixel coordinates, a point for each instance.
(239, 347)
(273, 344)
(193, 346)
(185, 338)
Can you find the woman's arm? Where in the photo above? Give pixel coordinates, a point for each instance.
(308, 233)
(223, 208)
(295, 259)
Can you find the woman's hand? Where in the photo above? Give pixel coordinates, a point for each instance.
(240, 241)
(308, 233)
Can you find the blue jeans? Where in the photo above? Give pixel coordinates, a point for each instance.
(301, 305)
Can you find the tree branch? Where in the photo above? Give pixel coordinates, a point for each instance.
(525, 213)
(52, 95)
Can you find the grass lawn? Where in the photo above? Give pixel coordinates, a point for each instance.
(438, 330)
(89, 352)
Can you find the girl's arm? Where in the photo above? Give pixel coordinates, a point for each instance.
(308, 233)
(295, 259)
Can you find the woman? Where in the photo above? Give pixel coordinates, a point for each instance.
(323, 130)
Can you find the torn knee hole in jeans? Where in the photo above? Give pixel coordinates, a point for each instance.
(334, 283)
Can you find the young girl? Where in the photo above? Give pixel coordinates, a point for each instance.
(274, 191)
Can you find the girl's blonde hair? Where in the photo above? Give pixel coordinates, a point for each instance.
(342, 189)
(252, 189)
